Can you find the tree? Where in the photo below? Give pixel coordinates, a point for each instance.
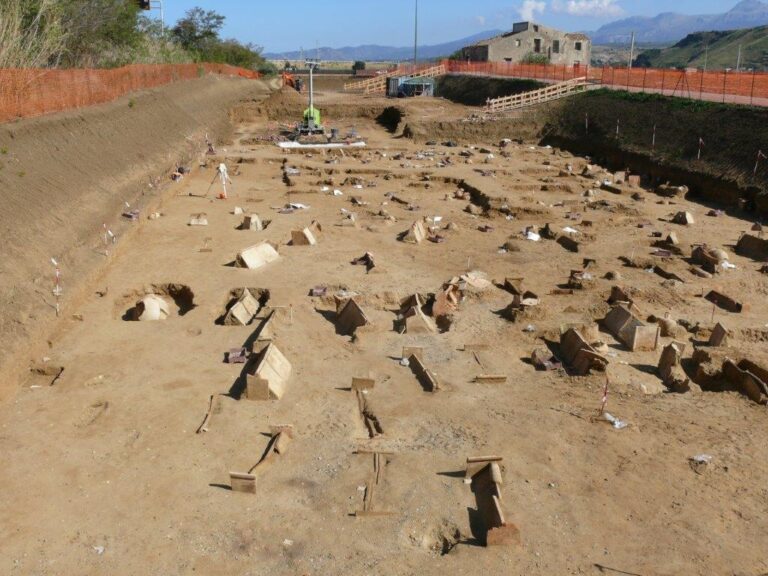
(235, 53)
(157, 47)
(358, 65)
(198, 30)
(266, 68)
(98, 28)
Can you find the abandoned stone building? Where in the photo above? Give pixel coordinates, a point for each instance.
(532, 42)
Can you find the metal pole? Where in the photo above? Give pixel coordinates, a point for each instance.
(416, 35)
(738, 60)
(311, 91)
(162, 17)
(752, 90)
(631, 50)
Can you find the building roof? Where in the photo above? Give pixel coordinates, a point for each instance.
(419, 81)
(571, 35)
(488, 41)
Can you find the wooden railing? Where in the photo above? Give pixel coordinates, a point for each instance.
(560, 90)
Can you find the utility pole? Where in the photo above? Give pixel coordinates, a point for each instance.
(738, 60)
(706, 56)
(416, 35)
(156, 5)
(632, 50)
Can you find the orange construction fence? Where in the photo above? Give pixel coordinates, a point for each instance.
(33, 92)
(744, 87)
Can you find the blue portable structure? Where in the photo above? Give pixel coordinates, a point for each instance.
(405, 87)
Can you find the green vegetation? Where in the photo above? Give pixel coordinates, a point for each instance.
(670, 102)
(716, 50)
(110, 33)
(31, 33)
(532, 58)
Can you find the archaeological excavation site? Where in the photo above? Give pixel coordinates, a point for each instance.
(258, 326)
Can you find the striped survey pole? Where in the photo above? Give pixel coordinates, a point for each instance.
(108, 237)
(56, 284)
(604, 400)
(760, 156)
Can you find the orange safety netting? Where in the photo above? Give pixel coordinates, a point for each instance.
(742, 87)
(33, 92)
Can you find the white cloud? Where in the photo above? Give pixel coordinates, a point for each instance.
(594, 8)
(530, 7)
(480, 20)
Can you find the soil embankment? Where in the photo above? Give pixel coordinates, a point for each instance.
(732, 136)
(62, 177)
(475, 90)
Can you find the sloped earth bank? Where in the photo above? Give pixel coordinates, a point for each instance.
(475, 90)
(103, 472)
(63, 177)
(732, 136)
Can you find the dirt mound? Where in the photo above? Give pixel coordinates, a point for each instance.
(62, 177)
(283, 102)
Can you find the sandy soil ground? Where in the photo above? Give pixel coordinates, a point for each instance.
(104, 472)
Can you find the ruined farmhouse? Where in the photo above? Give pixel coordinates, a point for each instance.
(532, 42)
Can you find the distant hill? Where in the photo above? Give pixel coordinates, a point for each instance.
(671, 27)
(374, 52)
(722, 53)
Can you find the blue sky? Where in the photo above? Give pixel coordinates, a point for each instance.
(280, 25)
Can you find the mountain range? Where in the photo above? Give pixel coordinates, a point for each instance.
(665, 28)
(374, 52)
(747, 48)
(671, 27)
